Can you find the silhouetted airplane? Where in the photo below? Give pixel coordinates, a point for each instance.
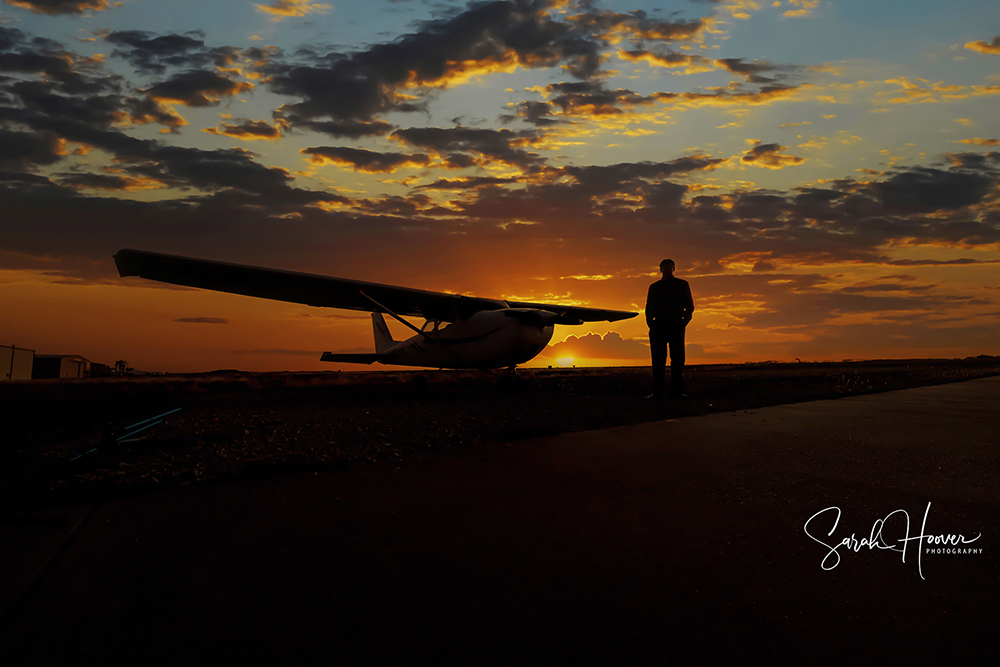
(479, 334)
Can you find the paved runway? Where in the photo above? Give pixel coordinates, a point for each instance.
(706, 540)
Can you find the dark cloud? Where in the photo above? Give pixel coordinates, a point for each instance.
(91, 121)
(207, 170)
(153, 54)
(847, 222)
(591, 98)
(536, 113)
(197, 88)
(934, 262)
(23, 150)
(587, 99)
(467, 183)
(622, 177)
(9, 37)
(791, 303)
(987, 163)
(95, 181)
(249, 129)
(926, 189)
(395, 206)
(40, 102)
(637, 26)
(622, 196)
(147, 110)
(60, 7)
(289, 353)
(482, 144)
(342, 129)
(770, 156)
(63, 70)
(752, 72)
(487, 36)
(364, 160)
(796, 310)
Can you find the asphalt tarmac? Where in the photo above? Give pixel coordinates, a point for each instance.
(704, 540)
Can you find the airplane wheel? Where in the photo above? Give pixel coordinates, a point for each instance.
(418, 385)
(511, 382)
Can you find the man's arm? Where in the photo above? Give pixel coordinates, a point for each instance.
(649, 299)
(689, 303)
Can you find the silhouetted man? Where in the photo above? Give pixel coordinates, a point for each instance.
(668, 310)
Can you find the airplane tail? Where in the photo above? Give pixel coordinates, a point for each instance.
(383, 339)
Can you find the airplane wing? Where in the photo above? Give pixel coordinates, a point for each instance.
(354, 357)
(576, 314)
(325, 291)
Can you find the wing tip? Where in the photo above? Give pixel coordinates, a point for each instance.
(125, 261)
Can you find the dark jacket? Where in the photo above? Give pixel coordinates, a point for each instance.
(669, 303)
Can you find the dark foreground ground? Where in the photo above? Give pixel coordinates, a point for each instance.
(699, 540)
(236, 425)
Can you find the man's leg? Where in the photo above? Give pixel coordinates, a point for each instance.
(677, 361)
(658, 354)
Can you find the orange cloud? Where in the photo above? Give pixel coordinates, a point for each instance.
(283, 9)
(991, 47)
(912, 93)
(985, 90)
(740, 9)
(805, 8)
(734, 97)
(463, 71)
(692, 64)
(976, 141)
(151, 111)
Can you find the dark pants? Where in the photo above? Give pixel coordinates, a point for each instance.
(659, 340)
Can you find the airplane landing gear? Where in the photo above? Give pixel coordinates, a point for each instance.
(511, 381)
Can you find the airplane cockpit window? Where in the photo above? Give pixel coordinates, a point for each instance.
(433, 324)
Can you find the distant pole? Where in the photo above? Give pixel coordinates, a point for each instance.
(10, 375)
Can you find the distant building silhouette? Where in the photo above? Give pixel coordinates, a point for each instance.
(60, 366)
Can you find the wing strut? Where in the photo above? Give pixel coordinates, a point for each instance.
(405, 323)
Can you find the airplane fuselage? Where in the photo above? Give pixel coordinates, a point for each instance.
(488, 339)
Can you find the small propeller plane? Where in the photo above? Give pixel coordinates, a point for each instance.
(458, 332)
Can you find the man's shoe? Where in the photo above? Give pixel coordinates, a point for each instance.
(654, 396)
(680, 395)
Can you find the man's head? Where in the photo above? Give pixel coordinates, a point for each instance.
(667, 267)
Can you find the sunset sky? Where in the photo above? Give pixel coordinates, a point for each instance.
(826, 174)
